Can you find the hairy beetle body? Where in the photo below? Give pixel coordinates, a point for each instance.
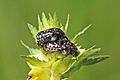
(54, 40)
(50, 35)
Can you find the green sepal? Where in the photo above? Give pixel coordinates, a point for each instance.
(31, 50)
(80, 33)
(94, 59)
(33, 30)
(35, 62)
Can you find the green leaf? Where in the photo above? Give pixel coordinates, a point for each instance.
(40, 25)
(80, 60)
(45, 21)
(66, 26)
(35, 62)
(31, 50)
(33, 30)
(95, 59)
(89, 52)
(53, 21)
(55, 17)
(50, 17)
(86, 53)
(80, 33)
(62, 27)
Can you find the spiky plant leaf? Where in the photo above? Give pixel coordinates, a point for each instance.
(94, 59)
(35, 62)
(80, 33)
(67, 22)
(87, 57)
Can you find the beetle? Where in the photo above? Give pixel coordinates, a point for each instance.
(64, 47)
(54, 40)
(50, 35)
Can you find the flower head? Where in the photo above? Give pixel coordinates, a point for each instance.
(57, 56)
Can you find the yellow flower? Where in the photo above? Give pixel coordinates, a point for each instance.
(56, 66)
(38, 73)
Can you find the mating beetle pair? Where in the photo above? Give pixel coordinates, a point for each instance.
(54, 40)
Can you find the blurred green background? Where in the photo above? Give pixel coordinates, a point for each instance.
(105, 33)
